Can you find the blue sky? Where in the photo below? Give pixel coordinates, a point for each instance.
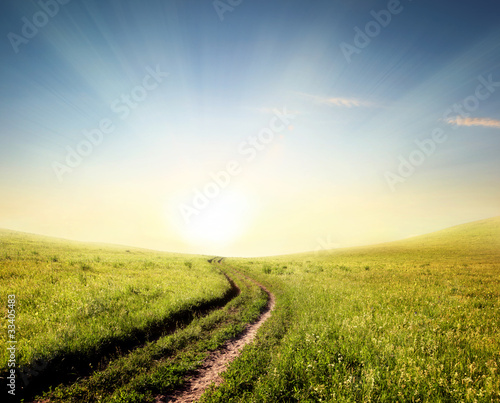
(333, 171)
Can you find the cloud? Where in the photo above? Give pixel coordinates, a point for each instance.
(484, 122)
(273, 110)
(349, 103)
(338, 101)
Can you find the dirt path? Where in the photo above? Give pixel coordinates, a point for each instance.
(181, 320)
(219, 360)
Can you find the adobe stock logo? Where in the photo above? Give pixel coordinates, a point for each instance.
(123, 108)
(326, 244)
(362, 38)
(453, 115)
(249, 149)
(30, 28)
(222, 7)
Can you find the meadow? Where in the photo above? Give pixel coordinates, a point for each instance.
(408, 321)
(76, 303)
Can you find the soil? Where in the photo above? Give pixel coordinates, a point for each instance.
(218, 361)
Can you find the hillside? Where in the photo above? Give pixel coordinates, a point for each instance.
(413, 320)
(410, 320)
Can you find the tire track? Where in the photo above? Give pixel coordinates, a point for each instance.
(74, 371)
(219, 360)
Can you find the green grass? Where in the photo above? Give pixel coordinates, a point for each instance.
(409, 321)
(77, 301)
(160, 366)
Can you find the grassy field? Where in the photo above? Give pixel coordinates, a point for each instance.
(160, 366)
(76, 303)
(408, 321)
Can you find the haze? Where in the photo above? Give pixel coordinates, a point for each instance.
(255, 128)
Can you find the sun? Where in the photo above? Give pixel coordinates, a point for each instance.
(223, 220)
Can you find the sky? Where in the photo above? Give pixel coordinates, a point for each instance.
(248, 128)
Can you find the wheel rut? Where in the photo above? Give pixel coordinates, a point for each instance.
(218, 361)
(73, 370)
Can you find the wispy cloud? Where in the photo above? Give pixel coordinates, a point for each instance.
(338, 101)
(484, 122)
(273, 110)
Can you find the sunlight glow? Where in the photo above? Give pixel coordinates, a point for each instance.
(220, 223)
